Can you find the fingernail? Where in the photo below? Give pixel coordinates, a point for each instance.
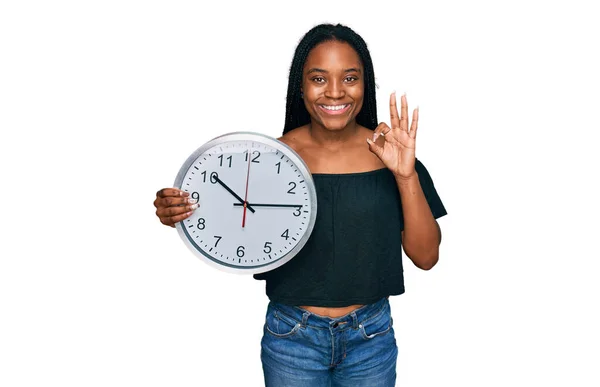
(375, 135)
(192, 200)
(369, 141)
(183, 193)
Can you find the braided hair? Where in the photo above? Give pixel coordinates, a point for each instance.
(296, 114)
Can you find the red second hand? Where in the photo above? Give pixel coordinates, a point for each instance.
(246, 197)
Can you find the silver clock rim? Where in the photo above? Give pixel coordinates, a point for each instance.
(294, 157)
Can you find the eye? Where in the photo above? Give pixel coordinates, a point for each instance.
(318, 79)
(350, 79)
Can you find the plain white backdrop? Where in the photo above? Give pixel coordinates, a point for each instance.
(101, 103)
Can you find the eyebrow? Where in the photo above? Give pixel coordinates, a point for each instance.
(318, 70)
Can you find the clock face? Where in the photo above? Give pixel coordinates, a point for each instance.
(257, 202)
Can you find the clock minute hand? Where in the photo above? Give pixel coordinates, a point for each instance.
(270, 205)
(234, 194)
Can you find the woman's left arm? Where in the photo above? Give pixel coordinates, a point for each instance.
(421, 236)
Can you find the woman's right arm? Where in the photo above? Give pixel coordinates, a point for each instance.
(174, 205)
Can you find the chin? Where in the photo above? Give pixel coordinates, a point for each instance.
(335, 125)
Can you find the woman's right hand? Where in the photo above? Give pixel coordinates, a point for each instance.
(174, 205)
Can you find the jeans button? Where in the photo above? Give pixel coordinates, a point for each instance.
(336, 324)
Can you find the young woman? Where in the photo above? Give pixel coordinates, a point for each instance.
(329, 322)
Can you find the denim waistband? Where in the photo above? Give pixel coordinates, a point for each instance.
(352, 319)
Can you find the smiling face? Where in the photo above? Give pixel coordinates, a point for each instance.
(333, 85)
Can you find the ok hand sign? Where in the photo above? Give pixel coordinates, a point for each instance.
(398, 151)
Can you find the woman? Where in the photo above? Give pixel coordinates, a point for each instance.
(328, 320)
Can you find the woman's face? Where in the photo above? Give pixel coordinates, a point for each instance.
(333, 85)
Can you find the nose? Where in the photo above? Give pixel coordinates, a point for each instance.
(335, 90)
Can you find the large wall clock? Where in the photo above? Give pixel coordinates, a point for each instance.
(257, 200)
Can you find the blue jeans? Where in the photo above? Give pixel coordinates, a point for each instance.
(301, 349)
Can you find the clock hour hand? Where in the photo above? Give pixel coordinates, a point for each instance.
(270, 205)
(216, 178)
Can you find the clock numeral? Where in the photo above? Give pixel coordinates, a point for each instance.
(213, 177)
(286, 234)
(297, 212)
(221, 160)
(218, 239)
(256, 155)
(278, 167)
(196, 195)
(291, 190)
(240, 251)
(267, 248)
(201, 224)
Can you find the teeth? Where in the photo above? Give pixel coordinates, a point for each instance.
(337, 107)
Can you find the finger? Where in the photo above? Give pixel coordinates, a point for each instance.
(414, 124)
(177, 210)
(381, 130)
(394, 120)
(376, 149)
(166, 192)
(173, 201)
(403, 113)
(171, 220)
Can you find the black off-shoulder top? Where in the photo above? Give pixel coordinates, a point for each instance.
(354, 254)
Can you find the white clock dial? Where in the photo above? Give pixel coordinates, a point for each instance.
(257, 202)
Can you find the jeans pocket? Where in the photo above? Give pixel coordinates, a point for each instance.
(376, 326)
(280, 325)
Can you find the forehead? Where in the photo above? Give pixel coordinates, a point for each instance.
(333, 55)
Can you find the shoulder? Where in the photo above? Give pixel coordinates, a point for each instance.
(429, 190)
(421, 170)
(296, 138)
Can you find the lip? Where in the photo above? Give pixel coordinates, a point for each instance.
(335, 112)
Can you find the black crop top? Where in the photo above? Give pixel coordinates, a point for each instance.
(354, 253)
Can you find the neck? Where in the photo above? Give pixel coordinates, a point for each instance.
(323, 136)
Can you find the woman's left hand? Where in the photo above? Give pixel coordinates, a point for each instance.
(398, 150)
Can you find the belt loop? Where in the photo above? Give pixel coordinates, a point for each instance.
(305, 319)
(354, 320)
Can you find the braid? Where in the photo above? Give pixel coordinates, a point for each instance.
(295, 112)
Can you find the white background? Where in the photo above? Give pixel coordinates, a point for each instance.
(101, 103)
